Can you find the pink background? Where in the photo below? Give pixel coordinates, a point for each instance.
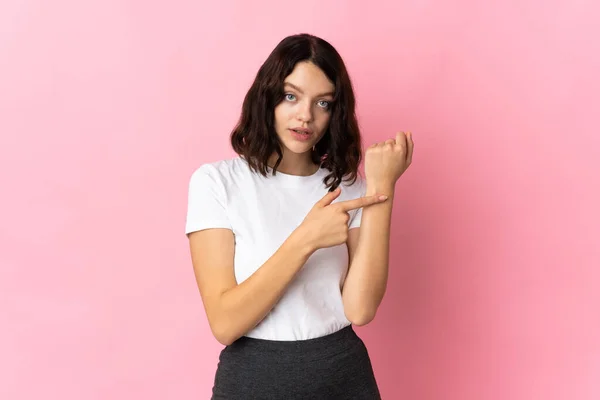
(107, 107)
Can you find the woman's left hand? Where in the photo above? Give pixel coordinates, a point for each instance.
(385, 162)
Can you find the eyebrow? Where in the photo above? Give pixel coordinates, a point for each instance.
(300, 90)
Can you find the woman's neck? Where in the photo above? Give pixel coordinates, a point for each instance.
(295, 164)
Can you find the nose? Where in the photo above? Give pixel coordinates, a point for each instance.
(304, 112)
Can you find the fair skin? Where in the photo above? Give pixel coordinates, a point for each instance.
(234, 309)
(308, 92)
(368, 246)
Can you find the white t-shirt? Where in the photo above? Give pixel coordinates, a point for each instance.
(262, 212)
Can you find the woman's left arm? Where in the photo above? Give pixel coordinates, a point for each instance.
(368, 246)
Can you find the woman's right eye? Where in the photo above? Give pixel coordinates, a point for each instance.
(289, 97)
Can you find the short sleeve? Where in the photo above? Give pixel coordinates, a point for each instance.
(206, 201)
(361, 190)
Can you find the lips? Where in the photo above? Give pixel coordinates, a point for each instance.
(300, 135)
(304, 131)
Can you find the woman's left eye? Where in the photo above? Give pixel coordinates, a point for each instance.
(324, 103)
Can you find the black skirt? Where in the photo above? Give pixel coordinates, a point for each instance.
(336, 366)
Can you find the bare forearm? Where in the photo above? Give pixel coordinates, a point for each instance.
(245, 305)
(366, 282)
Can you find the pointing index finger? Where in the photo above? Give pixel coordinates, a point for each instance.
(361, 202)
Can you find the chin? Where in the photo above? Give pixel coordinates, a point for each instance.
(298, 148)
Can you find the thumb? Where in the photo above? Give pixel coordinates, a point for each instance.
(329, 197)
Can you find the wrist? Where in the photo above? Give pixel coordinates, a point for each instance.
(385, 188)
(300, 240)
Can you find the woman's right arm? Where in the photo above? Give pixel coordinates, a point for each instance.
(233, 309)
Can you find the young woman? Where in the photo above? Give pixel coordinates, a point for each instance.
(289, 245)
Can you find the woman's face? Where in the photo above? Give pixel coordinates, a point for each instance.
(303, 115)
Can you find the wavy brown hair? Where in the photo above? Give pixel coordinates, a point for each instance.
(254, 137)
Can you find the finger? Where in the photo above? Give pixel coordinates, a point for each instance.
(401, 139)
(361, 202)
(390, 141)
(329, 197)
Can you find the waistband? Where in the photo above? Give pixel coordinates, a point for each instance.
(322, 347)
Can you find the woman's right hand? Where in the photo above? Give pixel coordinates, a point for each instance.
(326, 225)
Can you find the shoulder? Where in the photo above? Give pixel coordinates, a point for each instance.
(221, 172)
